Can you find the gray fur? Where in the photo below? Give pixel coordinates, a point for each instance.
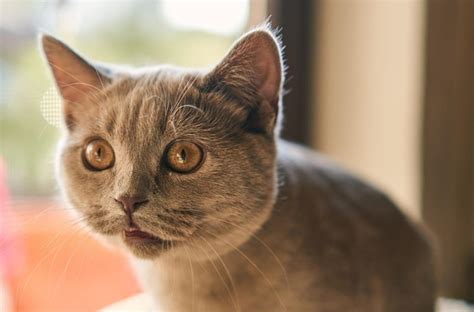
(263, 225)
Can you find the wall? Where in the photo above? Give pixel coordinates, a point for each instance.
(368, 91)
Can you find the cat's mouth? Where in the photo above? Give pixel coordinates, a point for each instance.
(144, 244)
(134, 235)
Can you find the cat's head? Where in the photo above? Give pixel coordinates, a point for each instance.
(166, 160)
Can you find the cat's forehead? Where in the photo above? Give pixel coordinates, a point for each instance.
(163, 83)
(153, 107)
(144, 105)
(149, 108)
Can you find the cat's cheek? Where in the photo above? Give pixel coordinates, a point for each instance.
(59, 171)
(79, 185)
(70, 188)
(70, 205)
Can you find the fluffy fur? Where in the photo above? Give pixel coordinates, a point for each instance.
(263, 225)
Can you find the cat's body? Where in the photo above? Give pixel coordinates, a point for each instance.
(185, 171)
(332, 243)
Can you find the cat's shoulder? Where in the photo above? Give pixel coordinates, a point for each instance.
(307, 163)
(315, 175)
(317, 185)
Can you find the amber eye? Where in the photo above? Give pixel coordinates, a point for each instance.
(184, 156)
(98, 155)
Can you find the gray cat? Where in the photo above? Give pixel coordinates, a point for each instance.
(184, 170)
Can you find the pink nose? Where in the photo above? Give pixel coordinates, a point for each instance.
(131, 203)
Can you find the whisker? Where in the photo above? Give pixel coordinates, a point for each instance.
(234, 289)
(192, 279)
(229, 292)
(66, 266)
(181, 98)
(254, 266)
(265, 245)
(49, 251)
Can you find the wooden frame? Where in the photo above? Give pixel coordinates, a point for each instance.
(296, 19)
(448, 142)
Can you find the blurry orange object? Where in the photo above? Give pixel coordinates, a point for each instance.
(9, 245)
(10, 248)
(64, 268)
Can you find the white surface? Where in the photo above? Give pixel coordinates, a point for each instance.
(138, 303)
(450, 305)
(142, 302)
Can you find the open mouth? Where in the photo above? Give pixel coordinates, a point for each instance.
(133, 234)
(144, 244)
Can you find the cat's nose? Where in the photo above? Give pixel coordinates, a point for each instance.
(131, 203)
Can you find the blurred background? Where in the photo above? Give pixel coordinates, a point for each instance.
(385, 87)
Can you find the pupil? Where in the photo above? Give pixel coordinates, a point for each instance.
(99, 152)
(182, 156)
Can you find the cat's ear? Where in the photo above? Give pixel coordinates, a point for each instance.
(253, 73)
(75, 77)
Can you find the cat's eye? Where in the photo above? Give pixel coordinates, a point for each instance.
(184, 156)
(98, 155)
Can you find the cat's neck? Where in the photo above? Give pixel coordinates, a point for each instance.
(225, 281)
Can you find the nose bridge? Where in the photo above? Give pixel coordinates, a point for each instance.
(132, 180)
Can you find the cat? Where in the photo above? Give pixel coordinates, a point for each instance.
(184, 169)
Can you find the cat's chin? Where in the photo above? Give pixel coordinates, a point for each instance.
(145, 245)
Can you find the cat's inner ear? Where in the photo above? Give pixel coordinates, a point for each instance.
(252, 72)
(75, 77)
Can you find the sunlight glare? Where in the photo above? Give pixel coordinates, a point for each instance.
(224, 17)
